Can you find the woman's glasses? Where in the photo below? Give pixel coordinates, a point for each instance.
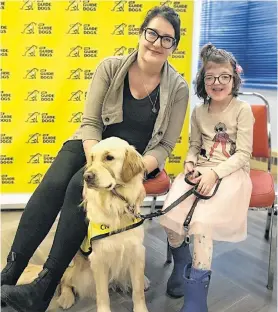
(166, 42)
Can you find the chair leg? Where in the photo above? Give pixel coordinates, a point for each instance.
(273, 246)
(153, 204)
(267, 227)
(169, 254)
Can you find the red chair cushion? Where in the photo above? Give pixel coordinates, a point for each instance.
(263, 193)
(158, 185)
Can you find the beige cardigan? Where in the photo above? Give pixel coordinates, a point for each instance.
(104, 105)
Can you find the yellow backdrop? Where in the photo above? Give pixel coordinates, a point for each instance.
(49, 50)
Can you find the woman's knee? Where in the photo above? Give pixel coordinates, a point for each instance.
(75, 186)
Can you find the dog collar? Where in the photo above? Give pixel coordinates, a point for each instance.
(98, 231)
(130, 208)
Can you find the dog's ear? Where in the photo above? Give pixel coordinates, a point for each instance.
(132, 165)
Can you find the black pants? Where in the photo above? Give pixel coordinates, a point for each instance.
(60, 190)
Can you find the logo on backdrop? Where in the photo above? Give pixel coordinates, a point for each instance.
(173, 159)
(5, 96)
(41, 138)
(2, 5)
(179, 54)
(42, 51)
(76, 96)
(4, 74)
(4, 117)
(6, 139)
(27, 5)
(39, 158)
(120, 6)
(6, 160)
(75, 74)
(40, 5)
(3, 29)
(87, 29)
(74, 29)
(87, 52)
(4, 52)
(35, 73)
(122, 50)
(36, 178)
(179, 6)
(76, 117)
(75, 51)
(37, 117)
(36, 95)
(33, 138)
(85, 5)
(40, 28)
(6, 179)
(120, 30)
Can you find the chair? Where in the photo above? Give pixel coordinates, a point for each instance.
(157, 186)
(263, 193)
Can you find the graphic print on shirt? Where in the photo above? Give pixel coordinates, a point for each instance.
(221, 137)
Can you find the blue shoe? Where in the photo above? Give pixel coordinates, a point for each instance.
(175, 284)
(195, 290)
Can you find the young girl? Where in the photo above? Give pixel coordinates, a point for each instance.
(220, 148)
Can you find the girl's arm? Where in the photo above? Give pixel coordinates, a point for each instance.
(195, 140)
(244, 144)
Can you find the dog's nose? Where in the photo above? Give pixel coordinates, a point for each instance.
(89, 177)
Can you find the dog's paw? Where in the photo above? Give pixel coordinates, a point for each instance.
(67, 299)
(103, 309)
(147, 283)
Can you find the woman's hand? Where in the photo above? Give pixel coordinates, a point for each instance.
(84, 191)
(206, 182)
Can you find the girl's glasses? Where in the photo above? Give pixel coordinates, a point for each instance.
(222, 79)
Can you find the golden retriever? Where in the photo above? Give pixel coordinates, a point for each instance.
(116, 258)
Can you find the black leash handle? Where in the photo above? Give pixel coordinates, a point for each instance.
(194, 191)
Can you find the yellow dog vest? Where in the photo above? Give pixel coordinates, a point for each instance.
(97, 231)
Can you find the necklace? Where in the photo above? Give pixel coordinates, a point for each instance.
(154, 109)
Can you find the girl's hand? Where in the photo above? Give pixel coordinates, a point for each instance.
(206, 182)
(188, 167)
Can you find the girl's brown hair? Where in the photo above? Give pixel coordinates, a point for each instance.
(209, 53)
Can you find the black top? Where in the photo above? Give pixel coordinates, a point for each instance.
(138, 119)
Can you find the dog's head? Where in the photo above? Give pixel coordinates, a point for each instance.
(113, 161)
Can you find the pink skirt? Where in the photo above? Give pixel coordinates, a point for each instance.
(222, 217)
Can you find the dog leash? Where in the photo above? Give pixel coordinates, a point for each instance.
(140, 218)
(160, 212)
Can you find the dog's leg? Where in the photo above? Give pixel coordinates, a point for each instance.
(67, 298)
(101, 272)
(137, 268)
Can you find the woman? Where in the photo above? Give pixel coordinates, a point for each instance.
(139, 98)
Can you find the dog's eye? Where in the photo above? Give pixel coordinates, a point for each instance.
(109, 157)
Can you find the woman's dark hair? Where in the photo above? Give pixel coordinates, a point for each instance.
(169, 14)
(209, 53)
